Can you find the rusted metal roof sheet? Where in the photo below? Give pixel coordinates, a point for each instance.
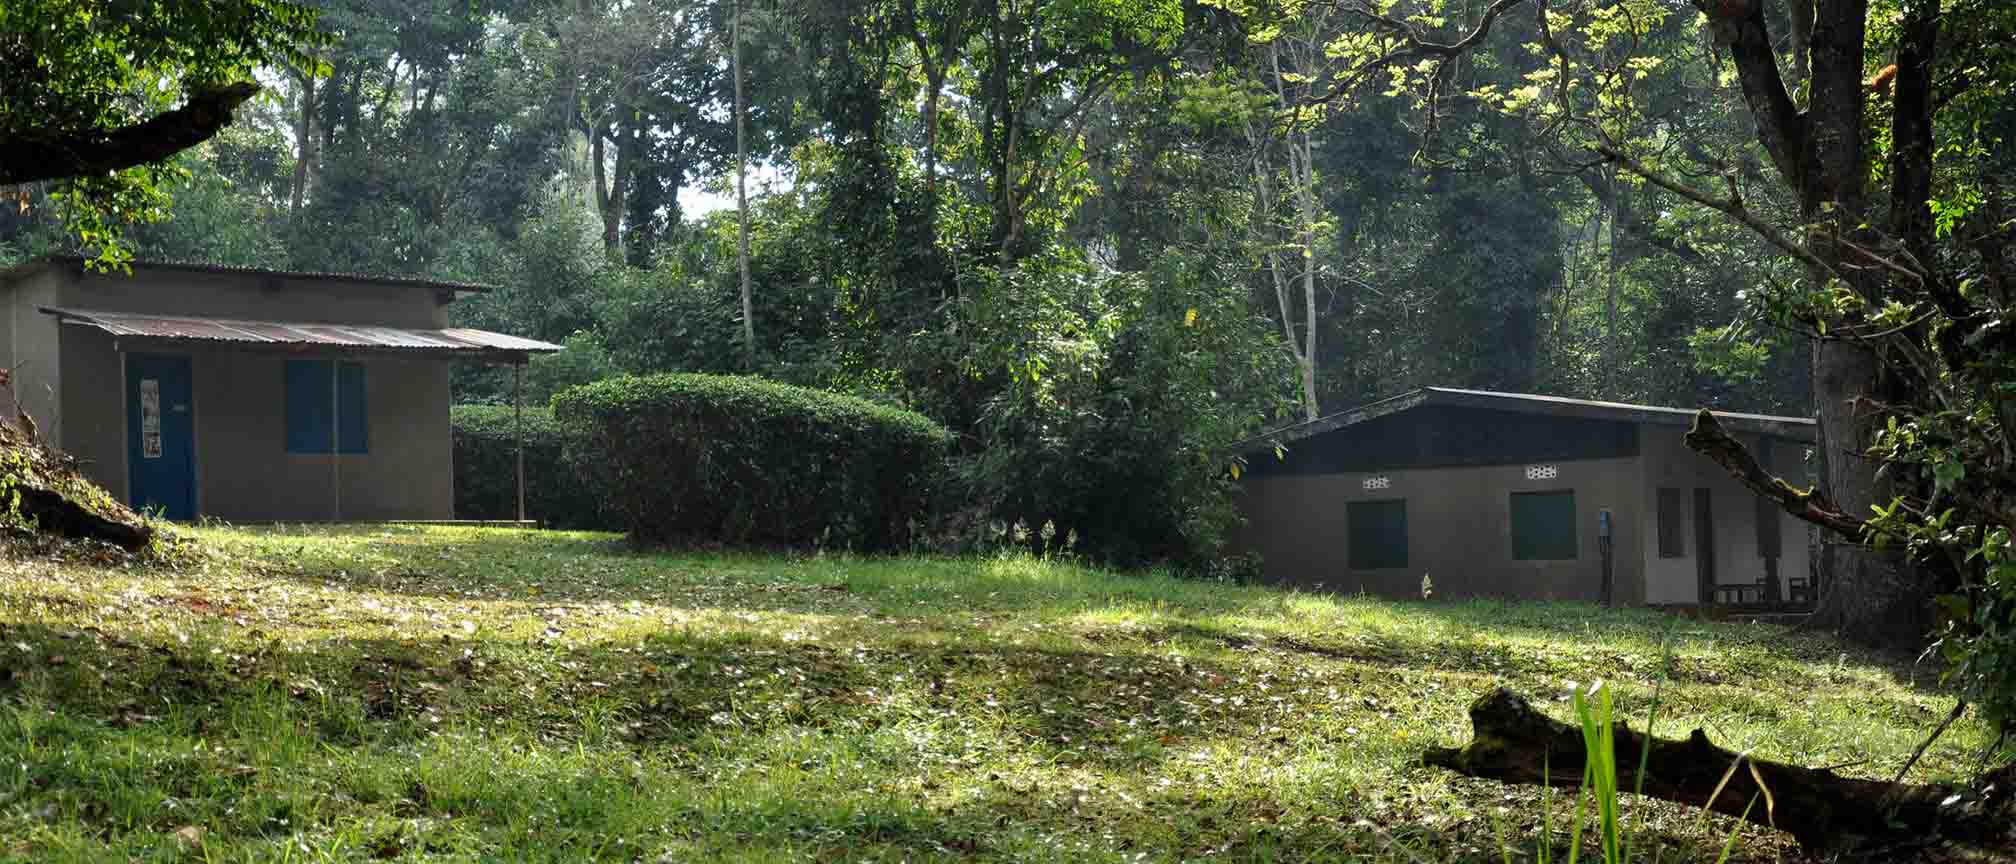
(301, 335)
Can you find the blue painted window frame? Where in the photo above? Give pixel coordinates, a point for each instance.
(308, 422)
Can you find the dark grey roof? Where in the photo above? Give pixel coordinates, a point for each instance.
(1793, 428)
(234, 269)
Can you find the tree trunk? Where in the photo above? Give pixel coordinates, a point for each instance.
(1302, 185)
(1870, 596)
(934, 80)
(1514, 742)
(1801, 14)
(1613, 261)
(304, 142)
(1304, 171)
(612, 201)
(742, 195)
(598, 173)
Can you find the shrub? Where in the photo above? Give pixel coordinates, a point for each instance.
(749, 461)
(486, 472)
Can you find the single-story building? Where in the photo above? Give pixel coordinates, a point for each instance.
(1532, 497)
(242, 394)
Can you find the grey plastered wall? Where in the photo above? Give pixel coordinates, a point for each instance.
(254, 296)
(1458, 527)
(243, 469)
(32, 350)
(1669, 463)
(245, 472)
(94, 404)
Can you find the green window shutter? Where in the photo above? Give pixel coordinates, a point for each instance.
(1672, 527)
(1769, 526)
(1377, 534)
(1543, 526)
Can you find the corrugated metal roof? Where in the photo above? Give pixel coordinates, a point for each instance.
(283, 333)
(1795, 428)
(209, 267)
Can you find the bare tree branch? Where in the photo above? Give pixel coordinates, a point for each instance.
(1732, 207)
(1709, 439)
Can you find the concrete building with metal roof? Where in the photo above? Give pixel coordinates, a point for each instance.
(244, 394)
(1482, 494)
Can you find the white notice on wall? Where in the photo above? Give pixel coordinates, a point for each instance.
(150, 418)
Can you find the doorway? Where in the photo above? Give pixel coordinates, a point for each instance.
(161, 435)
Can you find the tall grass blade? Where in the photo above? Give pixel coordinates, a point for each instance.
(1770, 802)
(1599, 740)
(1729, 844)
(1546, 854)
(1728, 773)
(1651, 729)
(1504, 847)
(1581, 816)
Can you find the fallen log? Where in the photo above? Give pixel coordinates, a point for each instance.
(49, 492)
(1514, 742)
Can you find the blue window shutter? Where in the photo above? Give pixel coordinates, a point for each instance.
(355, 417)
(308, 406)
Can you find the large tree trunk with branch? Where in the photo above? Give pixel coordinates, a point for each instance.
(1514, 742)
(1869, 595)
(612, 192)
(101, 151)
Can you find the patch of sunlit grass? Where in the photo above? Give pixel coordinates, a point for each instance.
(452, 694)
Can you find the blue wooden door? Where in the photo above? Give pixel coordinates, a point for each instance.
(161, 434)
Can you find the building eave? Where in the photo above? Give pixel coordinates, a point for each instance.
(1801, 429)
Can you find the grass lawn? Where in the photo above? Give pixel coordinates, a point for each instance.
(449, 694)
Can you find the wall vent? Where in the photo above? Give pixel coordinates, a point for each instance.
(1542, 472)
(1375, 483)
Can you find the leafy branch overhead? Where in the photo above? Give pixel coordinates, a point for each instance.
(101, 94)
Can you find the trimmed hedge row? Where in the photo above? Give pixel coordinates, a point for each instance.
(748, 461)
(486, 478)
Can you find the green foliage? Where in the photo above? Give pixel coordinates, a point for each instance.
(486, 470)
(747, 461)
(79, 70)
(1123, 397)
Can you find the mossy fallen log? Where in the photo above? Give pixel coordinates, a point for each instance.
(1827, 813)
(45, 492)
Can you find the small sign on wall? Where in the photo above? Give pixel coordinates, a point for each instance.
(150, 418)
(1375, 483)
(1542, 472)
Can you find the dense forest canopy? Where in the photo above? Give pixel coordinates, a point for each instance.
(918, 150)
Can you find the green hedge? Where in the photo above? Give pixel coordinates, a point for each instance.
(486, 473)
(747, 461)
